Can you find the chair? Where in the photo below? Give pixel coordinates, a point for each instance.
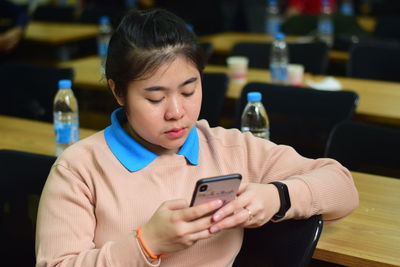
(366, 147)
(300, 25)
(301, 117)
(207, 50)
(378, 61)
(54, 13)
(214, 86)
(314, 56)
(28, 90)
(388, 27)
(22, 178)
(287, 243)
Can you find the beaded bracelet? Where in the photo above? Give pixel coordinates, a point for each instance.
(144, 246)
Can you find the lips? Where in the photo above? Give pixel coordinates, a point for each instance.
(176, 132)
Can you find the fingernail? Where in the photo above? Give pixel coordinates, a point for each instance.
(218, 203)
(214, 229)
(216, 216)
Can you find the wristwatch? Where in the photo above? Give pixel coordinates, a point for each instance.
(284, 198)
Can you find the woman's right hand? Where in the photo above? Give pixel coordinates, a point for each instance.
(176, 226)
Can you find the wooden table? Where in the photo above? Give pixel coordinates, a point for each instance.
(370, 236)
(378, 100)
(223, 42)
(52, 33)
(51, 42)
(29, 135)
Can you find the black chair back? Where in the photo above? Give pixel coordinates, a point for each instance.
(22, 178)
(388, 27)
(214, 86)
(54, 13)
(378, 61)
(287, 243)
(208, 50)
(28, 90)
(366, 147)
(313, 56)
(301, 117)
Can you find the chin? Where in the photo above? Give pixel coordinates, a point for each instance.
(173, 146)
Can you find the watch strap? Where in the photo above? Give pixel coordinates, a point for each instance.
(284, 199)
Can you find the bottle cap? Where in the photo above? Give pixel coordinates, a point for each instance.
(104, 19)
(64, 84)
(280, 36)
(254, 96)
(190, 27)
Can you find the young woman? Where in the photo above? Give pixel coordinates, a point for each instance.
(120, 197)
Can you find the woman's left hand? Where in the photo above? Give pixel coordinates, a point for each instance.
(254, 206)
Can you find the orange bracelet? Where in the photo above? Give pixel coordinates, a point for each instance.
(146, 248)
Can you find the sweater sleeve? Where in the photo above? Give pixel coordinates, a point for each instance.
(316, 186)
(66, 227)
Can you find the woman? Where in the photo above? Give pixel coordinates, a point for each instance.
(120, 197)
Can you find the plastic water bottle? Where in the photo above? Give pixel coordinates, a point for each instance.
(272, 18)
(65, 117)
(279, 60)
(346, 8)
(105, 31)
(325, 23)
(254, 117)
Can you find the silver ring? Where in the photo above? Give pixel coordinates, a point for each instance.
(250, 215)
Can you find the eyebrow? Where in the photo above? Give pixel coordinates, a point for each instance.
(162, 88)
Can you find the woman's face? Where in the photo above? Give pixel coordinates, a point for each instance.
(163, 108)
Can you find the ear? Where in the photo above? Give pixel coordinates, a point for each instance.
(119, 99)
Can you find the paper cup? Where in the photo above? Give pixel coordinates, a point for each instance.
(237, 66)
(295, 74)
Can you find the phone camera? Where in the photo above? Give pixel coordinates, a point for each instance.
(203, 188)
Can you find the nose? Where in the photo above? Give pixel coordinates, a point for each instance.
(175, 110)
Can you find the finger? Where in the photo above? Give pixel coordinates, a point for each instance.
(204, 234)
(231, 207)
(236, 219)
(201, 210)
(242, 188)
(198, 225)
(175, 204)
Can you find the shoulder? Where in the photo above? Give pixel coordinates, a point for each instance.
(227, 137)
(85, 151)
(219, 135)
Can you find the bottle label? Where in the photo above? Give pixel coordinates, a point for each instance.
(272, 26)
(347, 9)
(103, 47)
(325, 26)
(279, 73)
(66, 133)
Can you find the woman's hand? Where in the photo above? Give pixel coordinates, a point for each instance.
(255, 205)
(175, 226)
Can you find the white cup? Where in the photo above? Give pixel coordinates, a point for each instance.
(237, 66)
(295, 74)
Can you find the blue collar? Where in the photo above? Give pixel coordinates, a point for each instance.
(133, 155)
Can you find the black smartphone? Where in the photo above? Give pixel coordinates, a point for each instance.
(222, 187)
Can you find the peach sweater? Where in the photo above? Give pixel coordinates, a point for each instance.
(91, 203)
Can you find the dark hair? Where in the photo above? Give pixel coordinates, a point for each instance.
(143, 41)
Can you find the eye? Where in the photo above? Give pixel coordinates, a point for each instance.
(188, 94)
(155, 101)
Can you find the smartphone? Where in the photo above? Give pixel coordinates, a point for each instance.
(222, 187)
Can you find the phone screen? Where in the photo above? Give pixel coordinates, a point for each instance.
(222, 187)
